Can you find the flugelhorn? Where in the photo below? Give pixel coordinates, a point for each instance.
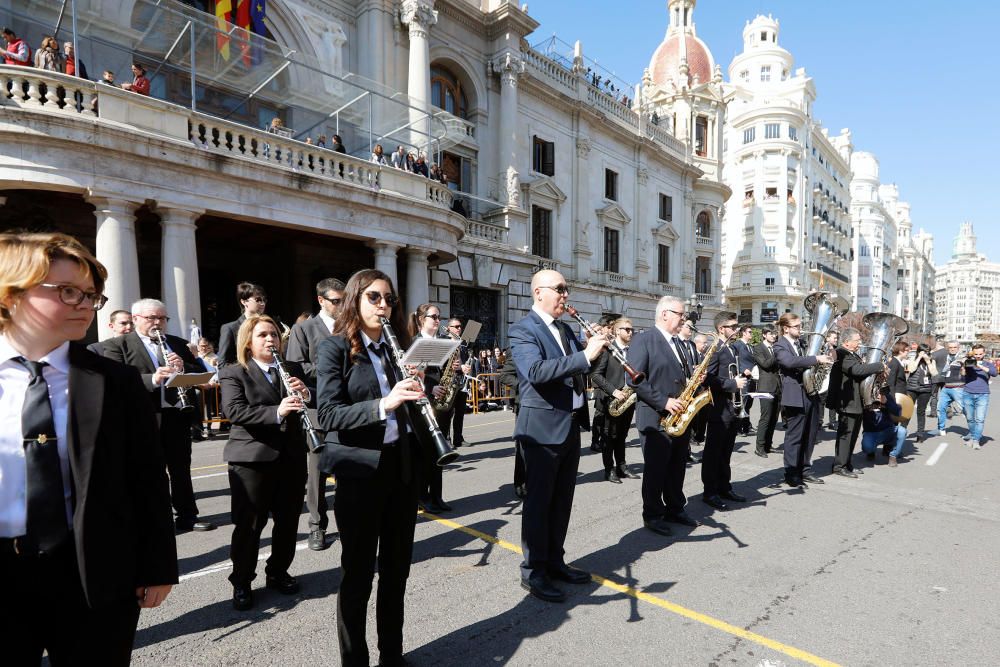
(312, 435)
(637, 377)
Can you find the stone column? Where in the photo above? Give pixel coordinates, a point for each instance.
(116, 250)
(508, 66)
(417, 278)
(419, 16)
(180, 287)
(385, 258)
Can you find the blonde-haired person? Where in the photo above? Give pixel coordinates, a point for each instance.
(266, 453)
(86, 537)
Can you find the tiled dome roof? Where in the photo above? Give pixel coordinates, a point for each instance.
(663, 67)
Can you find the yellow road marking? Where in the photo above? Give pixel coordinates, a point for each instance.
(698, 617)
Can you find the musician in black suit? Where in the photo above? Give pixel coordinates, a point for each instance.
(371, 447)
(253, 301)
(266, 453)
(802, 411)
(508, 378)
(86, 538)
(552, 365)
(844, 396)
(454, 330)
(744, 355)
(608, 379)
(139, 350)
(725, 382)
(120, 323)
(829, 348)
(697, 345)
(658, 352)
(768, 382)
(303, 347)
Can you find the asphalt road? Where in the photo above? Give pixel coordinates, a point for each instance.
(897, 567)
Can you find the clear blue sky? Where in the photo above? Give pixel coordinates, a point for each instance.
(916, 82)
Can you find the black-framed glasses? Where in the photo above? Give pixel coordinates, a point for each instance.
(626, 329)
(675, 312)
(434, 317)
(335, 300)
(71, 295)
(561, 290)
(375, 296)
(154, 318)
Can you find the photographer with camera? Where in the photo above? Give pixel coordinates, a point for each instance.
(977, 393)
(919, 372)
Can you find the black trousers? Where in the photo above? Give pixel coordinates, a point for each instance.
(920, 401)
(745, 423)
(458, 421)
(769, 408)
(615, 434)
(431, 474)
(316, 493)
(519, 473)
(800, 436)
(597, 429)
(848, 428)
(175, 438)
(716, 473)
(257, 490)
(550, 473)
(376, 518)
(43, 608)
(698, 426)
(665, 461)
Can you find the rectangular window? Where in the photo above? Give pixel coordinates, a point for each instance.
(765, 73)
(611, 185)
(541, 232)
(543, 158)
(745, 75)
(701, 136)
(748, 135)
(666, 207)
(863, 251)
(772, 131)
(769, 251)
(863, 291)
(663, 264)
(611, 250)
(793, 133)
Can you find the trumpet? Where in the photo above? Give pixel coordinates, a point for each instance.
(161, 342)
(312, 435)
(637, 376)
(739, 399)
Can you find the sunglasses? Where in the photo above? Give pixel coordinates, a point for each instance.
(434, 317)
(74, 296)
(374, 297)
(561, 290)
(625, 329)
(334, 301)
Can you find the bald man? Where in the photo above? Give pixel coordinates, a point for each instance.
(551, 365)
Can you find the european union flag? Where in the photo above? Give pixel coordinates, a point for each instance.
(257, 13)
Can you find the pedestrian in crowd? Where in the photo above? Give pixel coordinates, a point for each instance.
(338, 145)
(937, 354)
(86, 538)
(952, 377)
(120, 323)
(768, 382)
(920, 373)
(47, 56)
(266, 453)
(399, 158)
(253, 301)
(880, 428)
(17, 52)
(108, 77)
(140, 84)
(206, 354)
(378, 156)
(411, 163)
(420, 167)
(321, 141)
(977, 394)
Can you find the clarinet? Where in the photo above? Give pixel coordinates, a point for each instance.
(161, 341)
(312, 435)
(445, 453)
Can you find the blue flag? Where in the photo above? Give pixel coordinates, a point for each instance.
(257, 13)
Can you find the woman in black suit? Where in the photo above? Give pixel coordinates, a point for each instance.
(425, 322)
(371, 448)
(266, 453)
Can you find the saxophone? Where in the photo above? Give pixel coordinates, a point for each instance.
(618, 406)
(450, 383)
(692, 400)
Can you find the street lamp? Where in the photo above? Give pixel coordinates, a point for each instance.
(695, 308)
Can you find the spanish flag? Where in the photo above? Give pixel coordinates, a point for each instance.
(223, 15)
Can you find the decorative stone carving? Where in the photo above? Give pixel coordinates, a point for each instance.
(330, 40)
(418, 15)
(643, 176)
(508, 66)
(513, 188)
(583, 147)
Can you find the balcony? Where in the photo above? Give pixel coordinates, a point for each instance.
(706, 298)
(703, 240)
(614, 279)
(484, 231)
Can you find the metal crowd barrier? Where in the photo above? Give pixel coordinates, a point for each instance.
(495, 391)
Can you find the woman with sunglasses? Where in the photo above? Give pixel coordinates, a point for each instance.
(365, 408)
(424, 323)
(86, 532)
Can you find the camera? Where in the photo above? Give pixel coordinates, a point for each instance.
(971, 362)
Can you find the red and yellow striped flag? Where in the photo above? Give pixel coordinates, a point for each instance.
(223, 14)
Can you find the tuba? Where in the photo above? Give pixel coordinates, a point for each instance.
(885, 329)
(825, 308)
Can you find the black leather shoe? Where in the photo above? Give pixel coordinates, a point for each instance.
(570, 575)
(623, 473)
(760, 453)
(844, 472)
(732, 495)
(187, 525)
(794, 482)
(682, 518)
(750, 431)
(285, 583)
(716, 502)
(441, 505)
(521, 491)
(542, 588)
(812, 479)
(317, 540)
(242, 598)
(658, 526)
(612, 476)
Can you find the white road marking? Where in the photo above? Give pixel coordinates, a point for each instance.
(937, 453)
(222, 567)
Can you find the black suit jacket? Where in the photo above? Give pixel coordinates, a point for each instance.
(717, 377)
(768, 379)
(128, 349)
(250, 402)
(744, 355)
(792, 366)
(347, 401)
(123, 525)
(650, 353)
(897, 377)
(607, 377)
(303, 344)
(97, 348)
(227, 341)
(845, 382)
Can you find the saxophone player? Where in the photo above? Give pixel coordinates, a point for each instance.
(723, 422)
(802, 411)
(658, 353)
(608, 378)
(844, 396)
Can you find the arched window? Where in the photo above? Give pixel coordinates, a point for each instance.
(703, 225)
(447, 93)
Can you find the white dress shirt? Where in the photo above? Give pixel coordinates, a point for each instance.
(14, 379)
(550, 322)
(391, 424)
(327, 320)
(670, 342)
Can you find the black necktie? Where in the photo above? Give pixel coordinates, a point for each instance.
(579, 386)
(681, 355)
(272, 377)
(46, 504)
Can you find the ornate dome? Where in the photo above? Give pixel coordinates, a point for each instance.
(665, 64)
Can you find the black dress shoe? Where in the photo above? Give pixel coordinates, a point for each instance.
(794, 482)
(732, 495)
(623, 473)
(812, 479)
(658, 526)
(542, 588)
(682, 518)
(441, 505)
(317, 540)
(570, 575)
(521, 491)
(844, 472)
(242, 598)
(285, 583)
(187, 525)
(760, 453)
(612, 476)
(716, 502)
